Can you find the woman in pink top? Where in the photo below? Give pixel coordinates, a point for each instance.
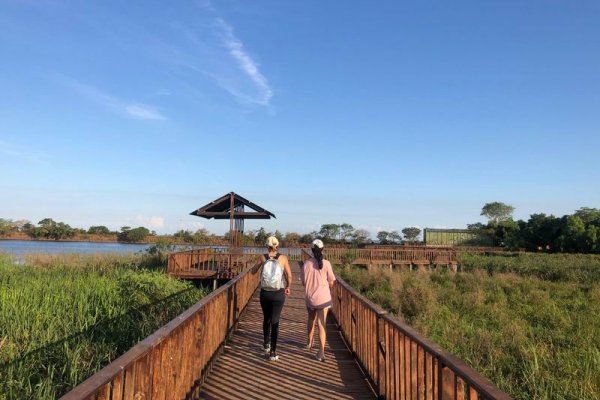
(317, 278)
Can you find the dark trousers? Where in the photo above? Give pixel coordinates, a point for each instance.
(271, 302)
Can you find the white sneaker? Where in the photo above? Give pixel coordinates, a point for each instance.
(273, 356)
(267, 349)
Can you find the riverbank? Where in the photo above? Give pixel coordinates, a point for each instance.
(96, 238)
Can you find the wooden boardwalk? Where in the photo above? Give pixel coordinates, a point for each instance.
(243, 372)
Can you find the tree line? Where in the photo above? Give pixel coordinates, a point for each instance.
(47, 228)
(575, 233)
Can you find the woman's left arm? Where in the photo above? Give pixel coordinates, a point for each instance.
(330, 275)
(288, 272)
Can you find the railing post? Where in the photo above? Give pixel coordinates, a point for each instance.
(381, 349)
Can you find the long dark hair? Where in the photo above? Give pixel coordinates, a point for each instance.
(318, 253)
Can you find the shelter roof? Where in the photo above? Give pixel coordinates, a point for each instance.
(221, 208)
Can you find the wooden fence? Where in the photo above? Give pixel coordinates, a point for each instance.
(400, 363)
(173, 361)
(207, 264)
(214, 263)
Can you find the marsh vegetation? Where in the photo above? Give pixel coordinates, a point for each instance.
(64, 317)
(530, 323)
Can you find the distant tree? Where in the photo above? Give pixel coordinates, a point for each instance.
(134, 235)
(411, 233)
(307, 238)
(278, 235)
(50, 229)
(588, 215)
(6, 226)
(98, 230)
(291, 239)
(201, 236)
(185, 235)
(360, 236)
(20, 225)
(394, 237)
(382, 236)
(541, 231)
(477, 226)
(329, 232)
(261, 237)
(497, 211)
(573, 236)
(345, 232)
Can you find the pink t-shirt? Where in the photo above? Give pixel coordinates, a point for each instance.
(316, 283)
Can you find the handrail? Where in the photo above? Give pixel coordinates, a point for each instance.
(399, 361)
(173, 361)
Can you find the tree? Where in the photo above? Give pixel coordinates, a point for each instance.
(278, 235)
(329, 232)
(589, 215)
(573, 235)
(477, 226)
(5, 226)
(346, 231)
(360, 236)
(201, 236)
(497, 211)
(382, 236)
(307, 238)
(134, 235)
(98, 230)
(261, 237)
(291, 239)
(411, 233)
(394, 237)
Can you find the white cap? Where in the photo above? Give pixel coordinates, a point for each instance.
(272, 241)
(317, 243)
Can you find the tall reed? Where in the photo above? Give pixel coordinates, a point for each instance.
(68, 316)
(534, 338)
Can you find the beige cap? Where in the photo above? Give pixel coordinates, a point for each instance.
(272, 241)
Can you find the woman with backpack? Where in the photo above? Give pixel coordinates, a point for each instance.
(318, 279)
(275, 281)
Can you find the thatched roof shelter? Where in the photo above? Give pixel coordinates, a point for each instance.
(232, 206)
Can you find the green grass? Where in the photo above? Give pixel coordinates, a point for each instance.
(65, 317)
(534, 338)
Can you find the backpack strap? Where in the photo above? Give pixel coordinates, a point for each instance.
(268, 257)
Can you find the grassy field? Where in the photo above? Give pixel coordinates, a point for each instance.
(530, 323)
(64, 317)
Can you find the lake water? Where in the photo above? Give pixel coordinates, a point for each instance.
(18, 248)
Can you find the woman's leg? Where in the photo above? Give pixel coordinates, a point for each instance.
(277, 304)
(267, 307)
(322, 318)
(310, 327)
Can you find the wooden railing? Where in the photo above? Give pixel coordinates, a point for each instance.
(400, 363)
(172, 362)
(392, 256)
(207, 264)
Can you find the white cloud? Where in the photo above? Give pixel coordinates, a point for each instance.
(149, 222)
(245, 63)
(10, 150)
(142, 111)
(131, 110)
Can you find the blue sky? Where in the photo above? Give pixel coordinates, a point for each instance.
(381, 114)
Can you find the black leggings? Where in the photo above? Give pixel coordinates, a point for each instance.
(271, 302)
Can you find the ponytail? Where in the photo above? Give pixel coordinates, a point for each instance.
(318, 253)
